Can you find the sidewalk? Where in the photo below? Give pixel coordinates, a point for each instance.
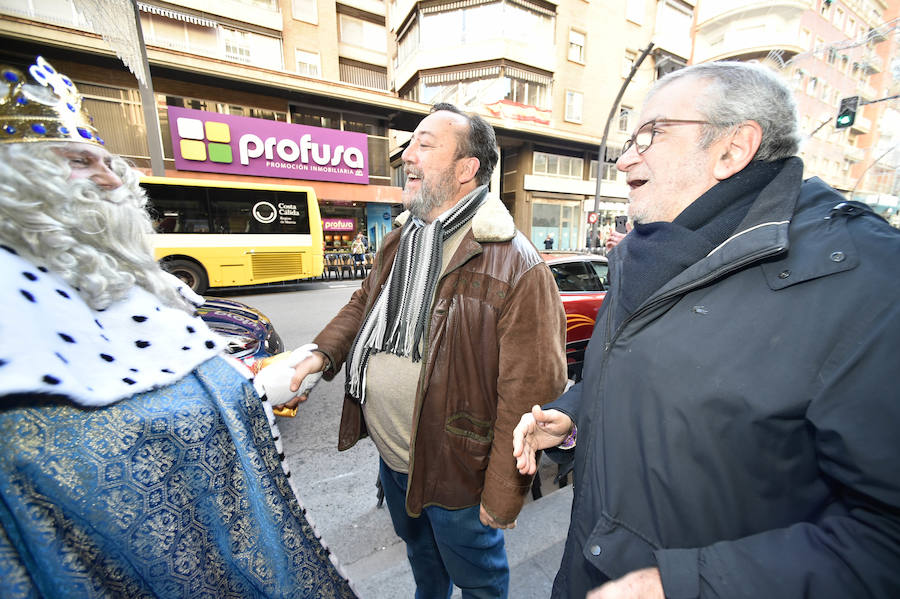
(337, 490)
(534, 548)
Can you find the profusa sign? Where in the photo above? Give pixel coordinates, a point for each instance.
(238, 145)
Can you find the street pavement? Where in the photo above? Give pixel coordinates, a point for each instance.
(338, 492)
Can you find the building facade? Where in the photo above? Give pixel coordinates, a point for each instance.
(828, 50)
(543, 73)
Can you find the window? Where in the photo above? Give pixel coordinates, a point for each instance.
(308, 64)
(408, 43)
(237, 45)
(625, 119)
(251, 48)
(118, 117)
(839, 17)
(824, 7)
(555, 165)
(527, 92)
(576, 276)
(610, 172)
(634, 11)
(628, 62)
(364, 34)
(305, 10)
(805, 38)
(811, 86)
(561, 220)
(574, 104)
(576, 46)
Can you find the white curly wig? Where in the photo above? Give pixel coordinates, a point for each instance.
(96, 240)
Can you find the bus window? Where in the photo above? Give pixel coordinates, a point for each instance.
(259, 211)
(178, 209)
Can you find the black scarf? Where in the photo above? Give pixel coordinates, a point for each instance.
(655, 253)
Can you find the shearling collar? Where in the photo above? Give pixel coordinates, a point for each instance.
(492, 221)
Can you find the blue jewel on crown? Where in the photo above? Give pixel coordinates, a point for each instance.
(46, 107)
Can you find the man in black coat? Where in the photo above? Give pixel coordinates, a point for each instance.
(736, 431)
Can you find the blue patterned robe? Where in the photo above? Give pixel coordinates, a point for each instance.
(175, 492)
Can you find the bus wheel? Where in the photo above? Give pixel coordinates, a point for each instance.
(192, 274)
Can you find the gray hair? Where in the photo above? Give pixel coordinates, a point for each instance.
(739, 92)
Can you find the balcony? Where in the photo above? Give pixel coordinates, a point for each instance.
(264, 13)
(533, 54)
(735, 28)
(866, 92)
(861, 125)
(871, 64)
(855, 154)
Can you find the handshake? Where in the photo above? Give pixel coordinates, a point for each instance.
(274, 374)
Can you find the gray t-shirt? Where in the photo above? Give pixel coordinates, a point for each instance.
(391, 383)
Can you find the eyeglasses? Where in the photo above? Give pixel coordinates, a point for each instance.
(643, 137)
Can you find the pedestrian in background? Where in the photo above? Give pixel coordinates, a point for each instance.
(136, 460)
(548, 241)
(358, 251)
(456, 330)
(736, 429)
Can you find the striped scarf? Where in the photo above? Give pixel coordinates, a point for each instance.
(397, 320)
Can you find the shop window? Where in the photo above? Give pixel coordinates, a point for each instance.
(560, 219)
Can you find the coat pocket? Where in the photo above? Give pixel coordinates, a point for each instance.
(616, 550)
(466, 425)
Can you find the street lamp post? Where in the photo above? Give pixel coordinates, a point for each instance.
(601, 158)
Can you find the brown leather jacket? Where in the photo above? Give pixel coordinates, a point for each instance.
(495, 347)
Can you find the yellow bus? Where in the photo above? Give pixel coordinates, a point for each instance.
(224, 233)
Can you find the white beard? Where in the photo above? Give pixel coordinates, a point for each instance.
(96, 240)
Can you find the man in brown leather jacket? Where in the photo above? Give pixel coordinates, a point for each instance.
(456, 331)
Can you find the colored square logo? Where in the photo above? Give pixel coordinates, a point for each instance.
(220, 153)
(190, 128)
(218, 132)
(193, 150)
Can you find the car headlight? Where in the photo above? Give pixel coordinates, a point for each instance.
(273, 344)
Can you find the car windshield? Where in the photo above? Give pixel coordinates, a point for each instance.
(579, 276)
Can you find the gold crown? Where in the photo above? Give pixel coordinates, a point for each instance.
(48, 110)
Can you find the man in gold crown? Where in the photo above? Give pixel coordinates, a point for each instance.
(135, 460)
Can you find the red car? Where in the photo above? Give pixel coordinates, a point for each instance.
(582, 280)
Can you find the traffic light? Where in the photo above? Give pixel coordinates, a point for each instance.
(847, 112)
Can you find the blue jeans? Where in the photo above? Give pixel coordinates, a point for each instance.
(447, 547)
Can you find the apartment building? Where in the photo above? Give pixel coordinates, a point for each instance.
(827, 50)
(543, 72)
